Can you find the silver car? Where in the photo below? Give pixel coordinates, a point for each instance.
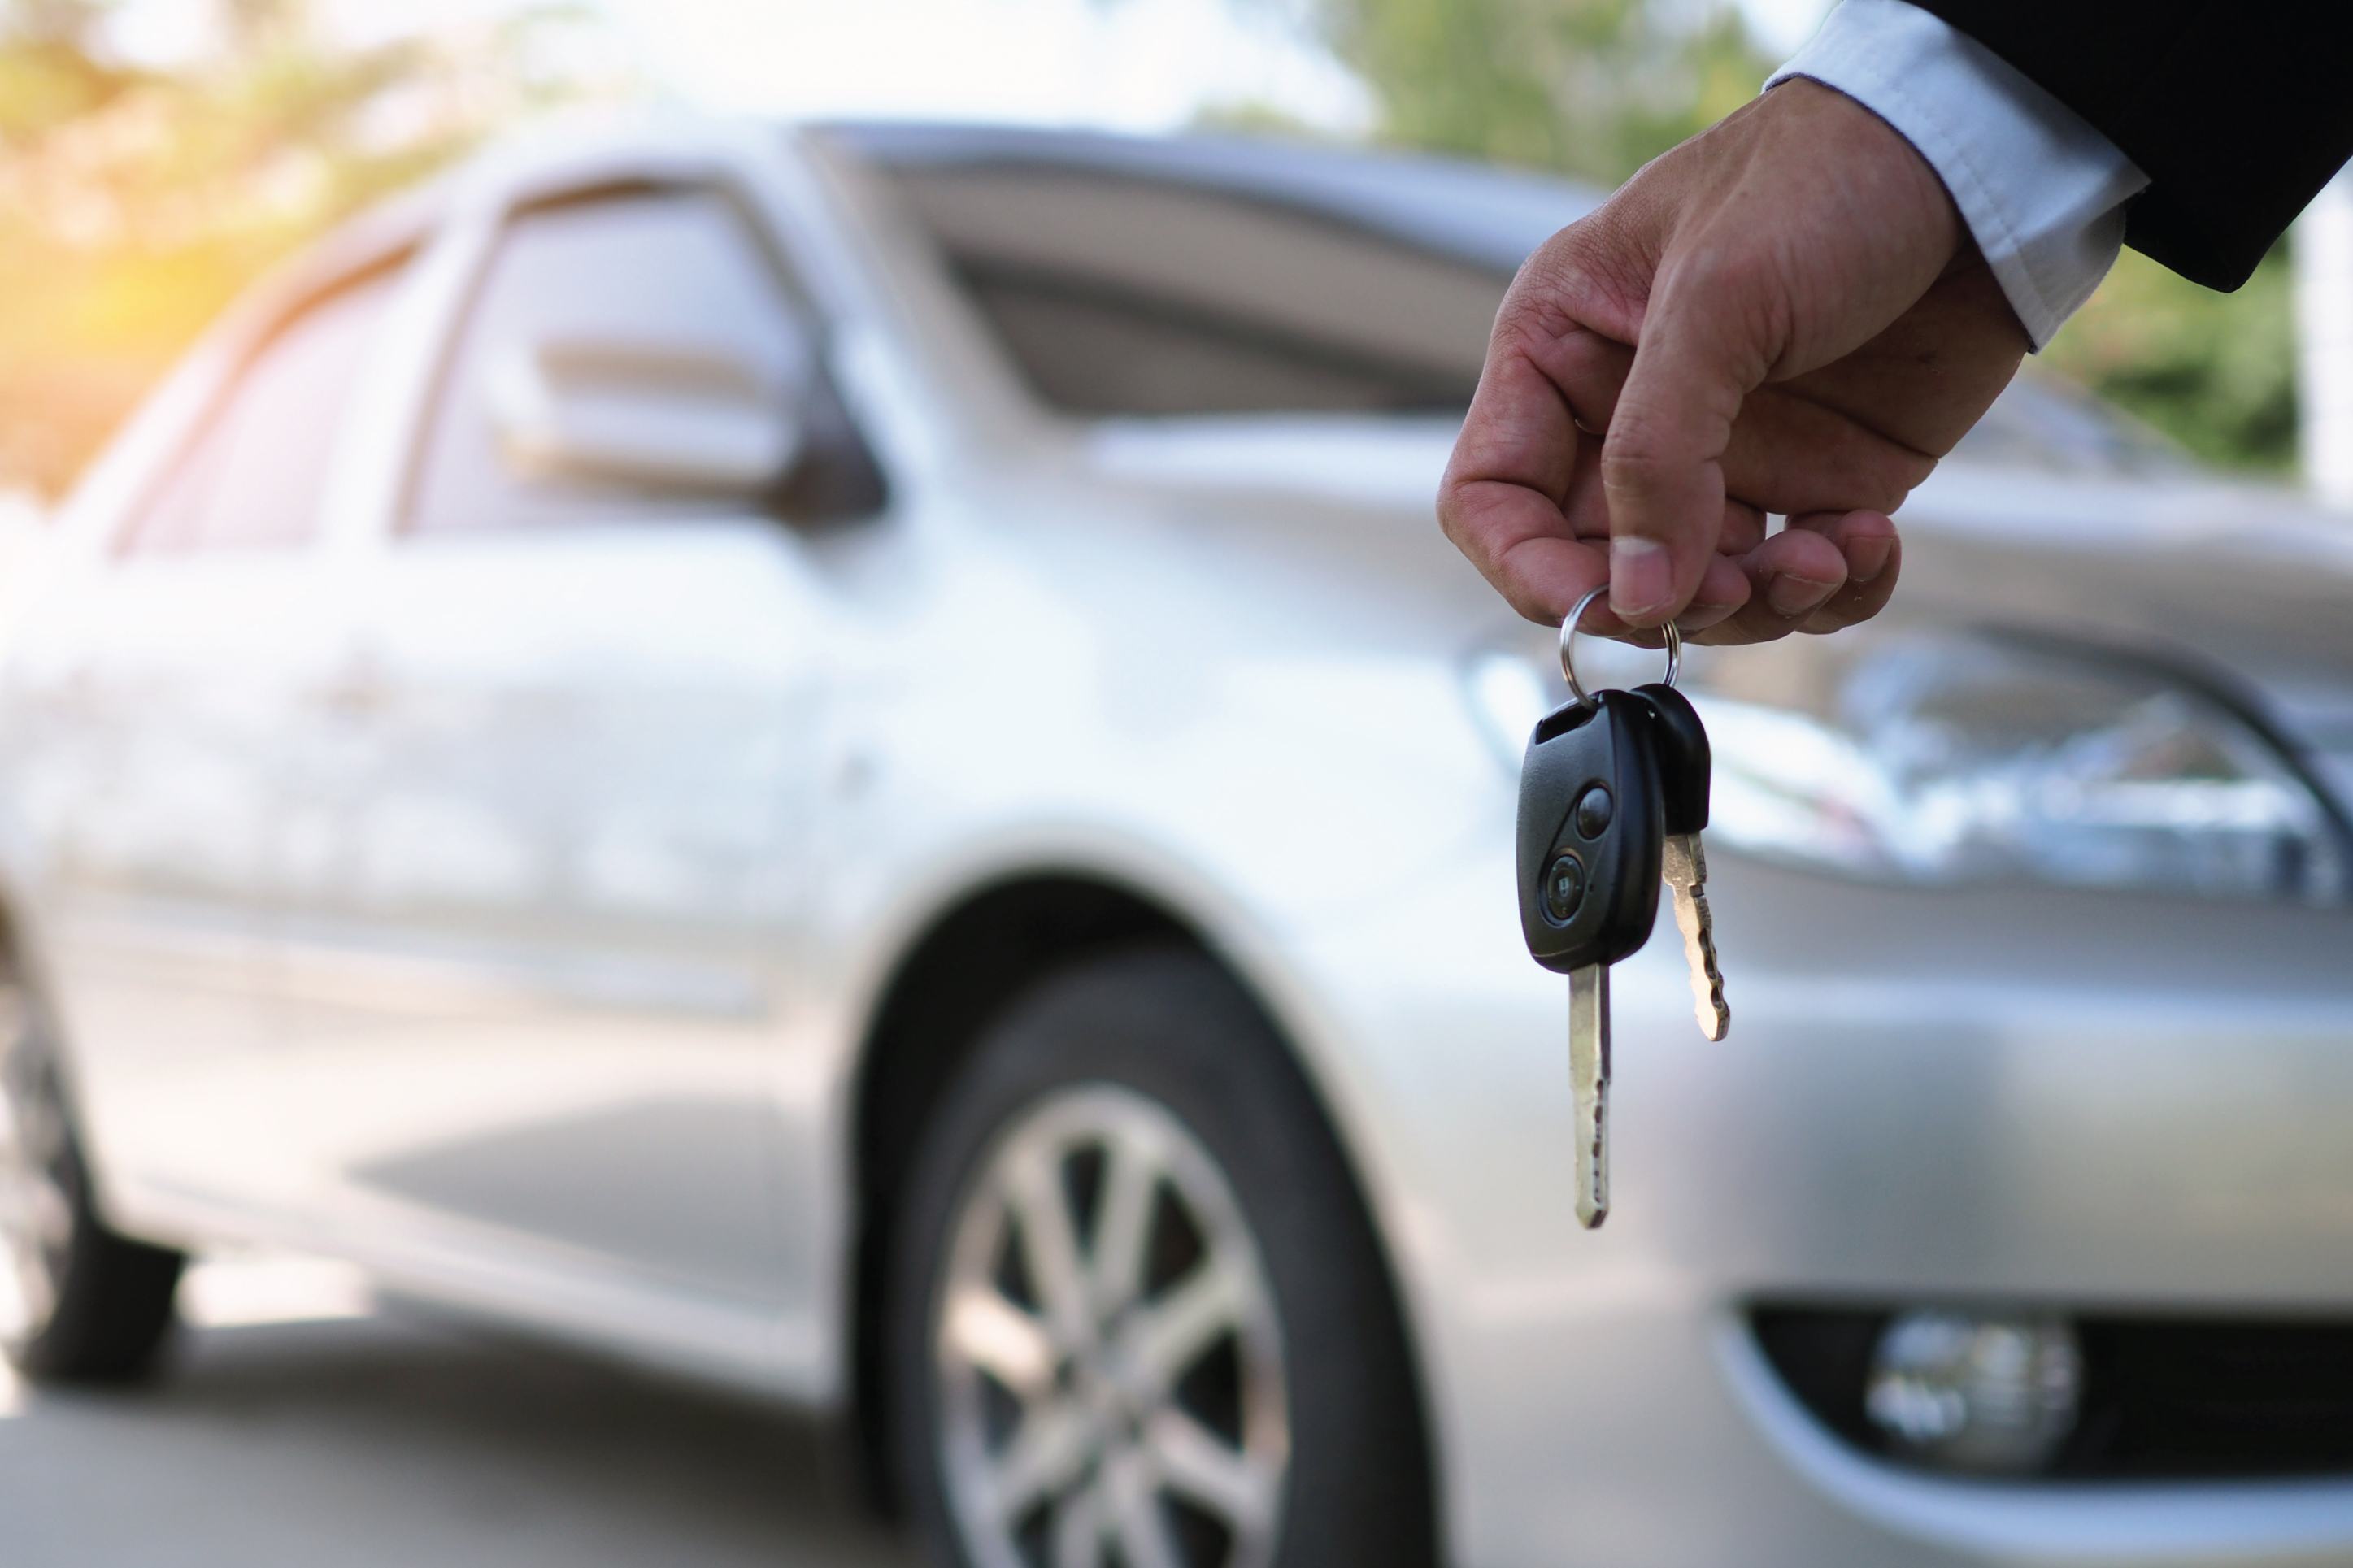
(846, 760)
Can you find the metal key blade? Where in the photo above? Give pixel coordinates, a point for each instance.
(1684, 865)
(1589, 1082)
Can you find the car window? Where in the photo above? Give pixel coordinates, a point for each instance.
(1116, 295)
(665, 266)
(257, 472)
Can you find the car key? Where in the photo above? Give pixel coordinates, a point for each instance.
(1588, 861)
(1680, 746)
(1589, 846)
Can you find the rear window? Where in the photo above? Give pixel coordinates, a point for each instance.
(256, 473)
(1115, 295)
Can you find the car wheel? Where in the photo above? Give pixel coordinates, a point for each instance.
(77, 1303)
(1138, 1313)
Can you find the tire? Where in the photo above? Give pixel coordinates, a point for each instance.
(77, 1302)
(1212, 1371)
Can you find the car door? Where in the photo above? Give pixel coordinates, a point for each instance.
(543, 1007)
(150, 701)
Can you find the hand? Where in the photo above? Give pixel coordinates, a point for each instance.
(1811, 328)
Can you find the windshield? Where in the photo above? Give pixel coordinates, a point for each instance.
(1114, 295)
(1197, 276)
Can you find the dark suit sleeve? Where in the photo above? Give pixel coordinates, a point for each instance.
(2237, 112)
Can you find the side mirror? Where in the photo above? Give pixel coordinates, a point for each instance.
(699, 416)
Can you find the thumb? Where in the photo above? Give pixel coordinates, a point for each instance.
(1661, 464)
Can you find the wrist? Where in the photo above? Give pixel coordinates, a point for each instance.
(2041, 193)
(1889, 184)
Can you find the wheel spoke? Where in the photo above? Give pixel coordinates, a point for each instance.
(34, 1287)
(35, 1132)
(1101, 1454)
(36, 1223)
(1049, 1450)
(1041, 1212)
(1000, 1338)
(19, 1142)
(1169, 1336)
(31, 1203)
(1124, 1224)
(1224, 1480)
(1079, 1529)
(1141, 1524)
(36, 1210)
(50, 1213)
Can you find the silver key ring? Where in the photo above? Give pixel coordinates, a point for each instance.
(1568, 654)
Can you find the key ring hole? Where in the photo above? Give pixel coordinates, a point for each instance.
(1568, 648)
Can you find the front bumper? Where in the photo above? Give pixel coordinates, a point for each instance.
(2064, 1100)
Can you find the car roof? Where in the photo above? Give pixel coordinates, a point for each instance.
(1490, 216)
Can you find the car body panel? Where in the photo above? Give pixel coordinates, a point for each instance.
(690, 813)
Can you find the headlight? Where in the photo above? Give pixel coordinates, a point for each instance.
(1939, 757)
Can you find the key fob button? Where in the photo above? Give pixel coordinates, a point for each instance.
(1593, 811)
(1564, 888)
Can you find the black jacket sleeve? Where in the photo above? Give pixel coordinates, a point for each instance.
(2238, 111)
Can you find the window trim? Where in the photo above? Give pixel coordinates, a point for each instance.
(123, 543)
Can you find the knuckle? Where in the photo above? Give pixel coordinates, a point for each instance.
(1586, 276)
(1639, 457)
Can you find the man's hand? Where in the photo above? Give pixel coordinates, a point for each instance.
(1811, 328)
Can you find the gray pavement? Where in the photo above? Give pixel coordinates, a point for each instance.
(376, 1441)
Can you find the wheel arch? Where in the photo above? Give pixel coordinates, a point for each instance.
(977, 954)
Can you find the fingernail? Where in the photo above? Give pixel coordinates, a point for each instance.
(1641, 580)
(1869, 559)
(1791, 596)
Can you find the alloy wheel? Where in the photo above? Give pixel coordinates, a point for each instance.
(1108, 1357)
(36, 1207)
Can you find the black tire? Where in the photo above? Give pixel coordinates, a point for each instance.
(90, 1306)
(1152, 1039)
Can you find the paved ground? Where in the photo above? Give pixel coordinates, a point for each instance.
(297, 1434)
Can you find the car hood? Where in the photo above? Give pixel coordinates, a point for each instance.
(2252, 585)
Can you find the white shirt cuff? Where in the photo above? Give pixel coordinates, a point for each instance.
(2043, 192)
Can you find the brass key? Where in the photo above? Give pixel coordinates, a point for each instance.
(1680, 747)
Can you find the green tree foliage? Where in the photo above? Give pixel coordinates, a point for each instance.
(2215, 371)
(1595, 88)
(1592, 87)
(135, 201)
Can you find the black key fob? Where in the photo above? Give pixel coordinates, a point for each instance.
(1589, 832)
(1680, 750)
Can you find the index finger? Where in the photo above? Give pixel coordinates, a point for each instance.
(1520, 491)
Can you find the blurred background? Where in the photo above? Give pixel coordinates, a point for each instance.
(156, 155)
